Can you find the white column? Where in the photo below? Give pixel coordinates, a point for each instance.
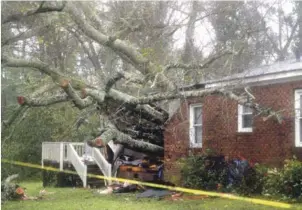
(42, 158)
(61, 155)
(85, 177)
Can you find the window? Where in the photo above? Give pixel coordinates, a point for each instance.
(245, 119)
(196, 125)
(298, 118)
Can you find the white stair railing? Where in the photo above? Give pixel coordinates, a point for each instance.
(78, 164)
(102, 163)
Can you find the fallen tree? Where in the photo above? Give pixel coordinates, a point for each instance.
(137, 124)
(135, 121)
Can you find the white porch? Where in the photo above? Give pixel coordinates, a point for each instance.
(74, 153)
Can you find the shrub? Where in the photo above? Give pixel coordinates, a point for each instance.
(252, 181)
(49, 178)
(285, 182)
(10, 190)
(196, 173)
(213, 173)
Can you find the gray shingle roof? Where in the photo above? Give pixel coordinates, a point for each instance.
(278, 67)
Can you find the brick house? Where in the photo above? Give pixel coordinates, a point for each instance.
(220, 124)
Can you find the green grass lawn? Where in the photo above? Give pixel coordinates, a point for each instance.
(79, 199)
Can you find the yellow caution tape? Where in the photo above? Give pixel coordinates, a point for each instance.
(180, 189)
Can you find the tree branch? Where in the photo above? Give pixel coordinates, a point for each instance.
(111, 42)
(121, 138)
(43, 89)
(14, 62)
(97, 95)
(25, 103)
(143, 135)
(83, 117)
(127, 99)
(117, 96)
(290, 38)
(13, 117)
(41, 9)
(120, 47)
(22, 36)
(80, 103)
(113, 80)
(37, 102)
(133, 78)
(202, 93)
(69, 84)
(260, 110)
(175, 95)
(92, 55)
(57, 77)
(206, 64)
(274, 44)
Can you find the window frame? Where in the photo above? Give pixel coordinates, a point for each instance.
(241, 129)
(192, 127)
(297, 104)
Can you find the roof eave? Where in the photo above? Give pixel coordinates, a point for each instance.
(276, 77)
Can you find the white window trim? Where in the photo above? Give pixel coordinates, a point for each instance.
(298, 93)
(192, 130)
(240, 128)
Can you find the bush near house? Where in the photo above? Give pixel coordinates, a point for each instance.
(253, 181)
(198, 172)
(201, 172)
(285, 182)
(214, 173)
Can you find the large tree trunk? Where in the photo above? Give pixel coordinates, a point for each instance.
(120, 138)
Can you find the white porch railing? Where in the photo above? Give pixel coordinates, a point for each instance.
(57, 151)
(79, 148)
(78, 164)
(72, 152)
(102, 163)
(51, 150)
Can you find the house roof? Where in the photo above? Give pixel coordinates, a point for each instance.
(282, 71)
(278, 72)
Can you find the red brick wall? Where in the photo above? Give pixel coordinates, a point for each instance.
(269, 143)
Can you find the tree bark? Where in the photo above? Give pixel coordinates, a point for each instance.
(41, 9)
(126, 140)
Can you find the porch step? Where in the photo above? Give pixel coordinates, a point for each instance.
(94, 182)
(93, 168)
